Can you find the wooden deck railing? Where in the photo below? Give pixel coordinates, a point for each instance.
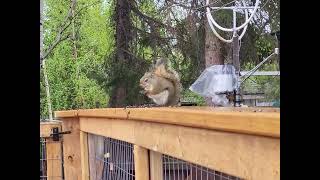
(244, 142)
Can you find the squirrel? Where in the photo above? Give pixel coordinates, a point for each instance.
(162, 84)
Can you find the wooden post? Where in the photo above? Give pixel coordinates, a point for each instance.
(84, 155)
(54, 159)
(71, 149)
(53, 150)
(45, 128)
(156, 166)
(141, 163)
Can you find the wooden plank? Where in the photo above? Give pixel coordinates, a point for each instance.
(65, 114)
(120, 113)
(84, 156)
(141, 163)
(54, 159)
(71, 149)
(264, 124)
(251, 121)
(96, 154)
(156, 165)
(245, 156)
(45, 128)
(233, 109)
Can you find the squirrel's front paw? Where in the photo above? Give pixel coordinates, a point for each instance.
(142, 92)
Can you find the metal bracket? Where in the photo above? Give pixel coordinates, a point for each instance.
(56, 134)
(237, 98)
(234, 96)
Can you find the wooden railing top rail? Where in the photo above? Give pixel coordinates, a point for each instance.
(254, 121)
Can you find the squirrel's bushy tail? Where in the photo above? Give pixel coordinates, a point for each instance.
(161, 69)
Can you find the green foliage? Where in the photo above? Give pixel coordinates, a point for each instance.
(71, 80)
(270, 85)
(189, 96)
(187, 55)
(87, 81)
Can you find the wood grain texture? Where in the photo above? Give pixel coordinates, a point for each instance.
(141, 163)
(71, 149)
(245, 156)
(65, 114)
(54, 159)
(156, 165)
(238, 120)
(45, 128)
(84, 155)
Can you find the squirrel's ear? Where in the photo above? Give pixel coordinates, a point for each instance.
(160, 61)
(154, 62)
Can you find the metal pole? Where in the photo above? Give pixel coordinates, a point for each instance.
(236, 61)
(235, 49)
(232, 8)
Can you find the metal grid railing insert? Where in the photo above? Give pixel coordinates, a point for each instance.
(43, 159)
(110, 159)
(176, 169)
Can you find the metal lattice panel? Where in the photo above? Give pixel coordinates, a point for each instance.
(176, 169)
(43, 159)
(110, 159)
(51, 161)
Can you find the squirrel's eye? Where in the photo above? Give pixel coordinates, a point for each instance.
(146, 80)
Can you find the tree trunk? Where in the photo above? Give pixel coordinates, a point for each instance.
(202, 43)
(213, 53)
(213, 49)
(44, 64)
(122, 59)
(73, 9)
(75, 53)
